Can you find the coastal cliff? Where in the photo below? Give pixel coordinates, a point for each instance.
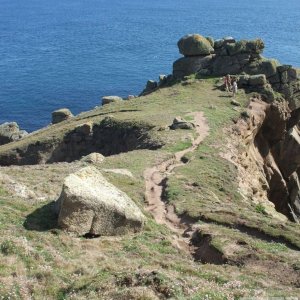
(213, 180)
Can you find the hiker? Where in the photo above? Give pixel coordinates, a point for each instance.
(234, 87)
(227, 82)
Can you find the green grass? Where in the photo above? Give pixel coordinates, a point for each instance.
(50, 264)
(260, 209)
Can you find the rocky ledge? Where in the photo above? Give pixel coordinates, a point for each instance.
(209, 57)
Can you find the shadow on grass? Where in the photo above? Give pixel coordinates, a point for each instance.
(42, 219)
(225, 96)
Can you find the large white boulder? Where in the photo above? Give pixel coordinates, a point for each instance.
(89, 204)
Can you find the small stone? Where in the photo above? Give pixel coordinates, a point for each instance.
(180, 123)
(110, 99)
(93, 158)
(235, 103)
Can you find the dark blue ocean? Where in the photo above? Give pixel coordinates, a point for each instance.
(69, 53)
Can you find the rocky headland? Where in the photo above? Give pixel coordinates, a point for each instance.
(182, 192)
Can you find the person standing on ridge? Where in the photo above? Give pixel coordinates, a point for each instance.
(227, 82)
(234, 88)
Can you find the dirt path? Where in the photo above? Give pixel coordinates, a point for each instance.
(155, 179)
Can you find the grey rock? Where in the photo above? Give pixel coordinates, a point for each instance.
(255, 80)
(10, 132)
(211, 41)
(110, 99)
(218, 43)
(186, 66)
(180, 123)
(223, 65)
(243, 80)
(61, 115)
(229, 40)
(283, 68)
(275, 79)
(163, 79)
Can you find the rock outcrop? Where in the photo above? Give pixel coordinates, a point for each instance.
(10, 132)
(61, 115)
(90, 205)
(243, 58)
(152, 85)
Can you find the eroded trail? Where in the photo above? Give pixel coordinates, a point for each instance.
(155, 179)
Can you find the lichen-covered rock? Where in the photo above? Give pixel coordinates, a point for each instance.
(194, 44)
(60, 115)
(189, 65)
(110, 99)
(211, 41)
(218, 43)
(262, 66)
(89, 204)
(10, 132)
(223, 65)
(259, 79)
(243, 80)
(244, 46)
(150, 87)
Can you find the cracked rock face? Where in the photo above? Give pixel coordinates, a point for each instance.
(274, 145)
(89, 204)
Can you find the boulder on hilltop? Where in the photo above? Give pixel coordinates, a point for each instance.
(209, 57)
(194, 44)
(89, 204)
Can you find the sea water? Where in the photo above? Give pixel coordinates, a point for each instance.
(69, 53)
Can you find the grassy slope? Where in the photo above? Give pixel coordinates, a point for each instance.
(38, 259)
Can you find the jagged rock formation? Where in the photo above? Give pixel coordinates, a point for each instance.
(273, 143)
(10, 132)
(153, 85)
(61, 115)
(90, 205)
(238, 57)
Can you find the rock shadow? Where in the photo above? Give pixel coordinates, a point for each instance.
(42, 219)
